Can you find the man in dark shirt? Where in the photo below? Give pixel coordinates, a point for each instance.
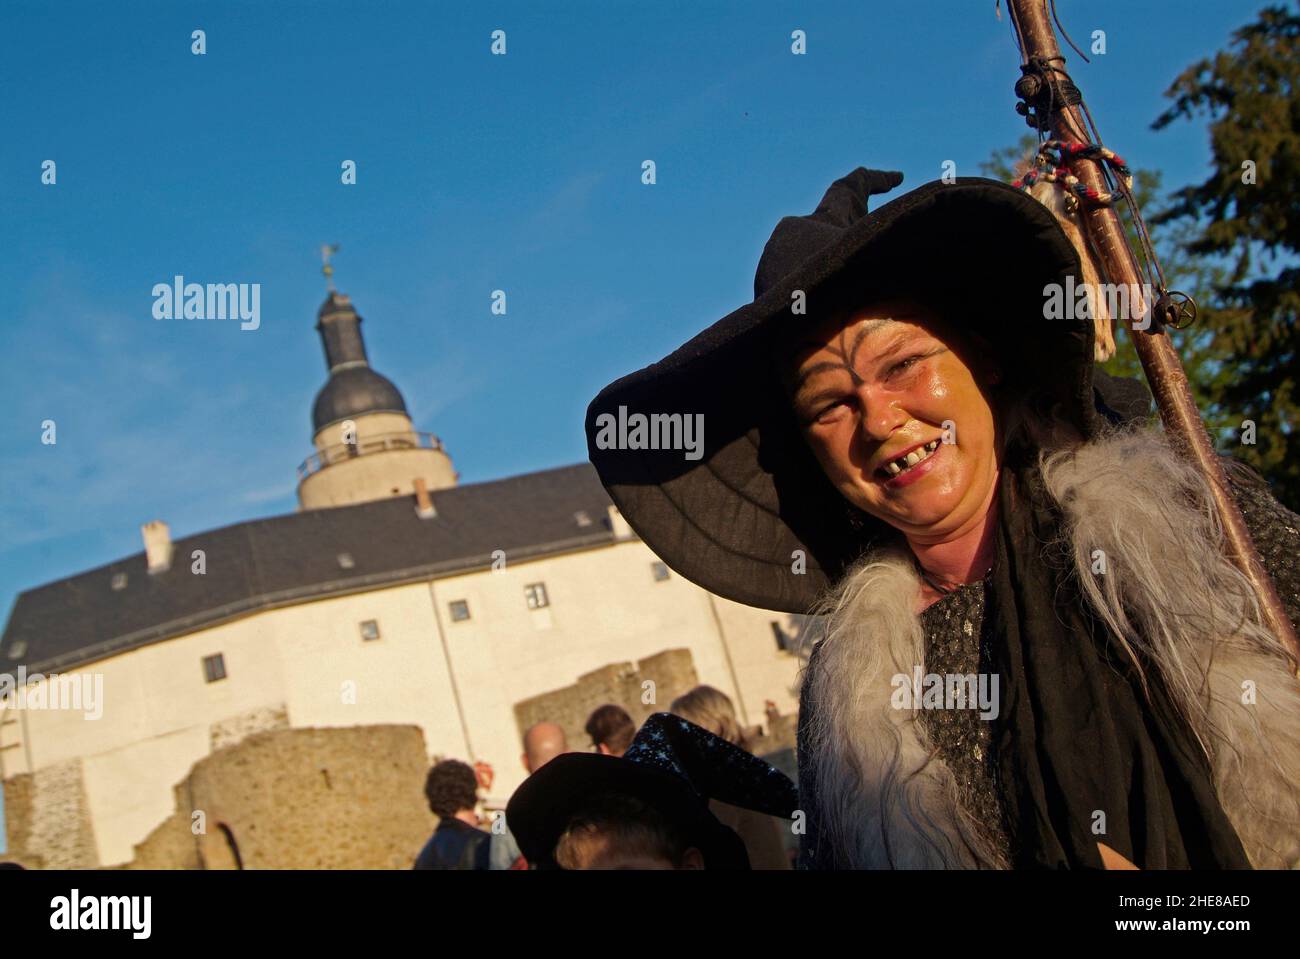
(457, 843)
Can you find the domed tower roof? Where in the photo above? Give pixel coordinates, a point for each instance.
(353, 388)
(352, 393)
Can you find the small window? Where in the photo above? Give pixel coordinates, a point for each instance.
(119, 581)
(582, 518)
(17, 648)
(346, 561)
(370, 630)
(459, 610)
(214, 667)
(660, 571)
(783, 642)
(535, 593)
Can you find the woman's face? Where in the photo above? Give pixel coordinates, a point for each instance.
(875, 396)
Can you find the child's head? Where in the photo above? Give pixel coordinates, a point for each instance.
(648, 809)
(617, 831)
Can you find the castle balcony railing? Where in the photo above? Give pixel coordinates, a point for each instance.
(377, 443)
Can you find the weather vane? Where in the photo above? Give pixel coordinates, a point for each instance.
(326, 251)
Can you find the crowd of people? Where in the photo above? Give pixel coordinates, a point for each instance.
(683, 791)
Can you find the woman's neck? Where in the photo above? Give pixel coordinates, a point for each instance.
(964, 557)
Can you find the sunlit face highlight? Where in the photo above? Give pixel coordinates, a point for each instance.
(889, 380)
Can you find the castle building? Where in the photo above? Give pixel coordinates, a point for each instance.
(394, 595)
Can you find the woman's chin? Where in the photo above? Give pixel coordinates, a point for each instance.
(925, 510)
(928, 504)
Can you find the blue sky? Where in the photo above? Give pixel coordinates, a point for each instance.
(475, 172)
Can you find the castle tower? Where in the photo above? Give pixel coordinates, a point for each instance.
(366, 446)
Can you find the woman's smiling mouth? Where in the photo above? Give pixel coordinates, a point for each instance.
(908, 461)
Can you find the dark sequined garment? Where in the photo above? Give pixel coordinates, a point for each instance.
(958, 642)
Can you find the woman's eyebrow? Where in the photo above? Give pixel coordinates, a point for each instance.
(816, 398)
(847, 353)
(810, 371)
(895, 345)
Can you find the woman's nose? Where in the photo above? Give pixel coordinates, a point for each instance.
(881, 414)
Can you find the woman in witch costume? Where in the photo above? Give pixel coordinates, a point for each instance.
(897, 439)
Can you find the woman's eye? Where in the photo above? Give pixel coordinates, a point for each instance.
(829, 412)
(905, 364)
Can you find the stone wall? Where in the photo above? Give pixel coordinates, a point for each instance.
(47, 822)
(230, 731)
(333, 798)
(672, 672)
(171, 846)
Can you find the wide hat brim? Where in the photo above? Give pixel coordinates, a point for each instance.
(542, 807)
(740, 519)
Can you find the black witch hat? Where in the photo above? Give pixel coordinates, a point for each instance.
(673, 766)
(733, 519)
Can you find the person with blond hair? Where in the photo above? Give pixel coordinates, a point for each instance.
(764, 836)
(713, 709)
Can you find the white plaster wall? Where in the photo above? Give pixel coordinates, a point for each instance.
(605, 607)
(156, 712)
(130, 790)
(375, 476)
(399, 678)
(764, 670)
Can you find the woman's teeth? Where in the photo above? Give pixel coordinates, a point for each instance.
(905, 463)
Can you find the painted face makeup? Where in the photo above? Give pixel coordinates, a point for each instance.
(896, 418)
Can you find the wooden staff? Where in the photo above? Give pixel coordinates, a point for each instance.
(1057, 99)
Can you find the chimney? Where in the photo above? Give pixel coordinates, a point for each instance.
(157, 546)
(618, 525)
(423, 503)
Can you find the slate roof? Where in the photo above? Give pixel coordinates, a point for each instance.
(287, 559)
